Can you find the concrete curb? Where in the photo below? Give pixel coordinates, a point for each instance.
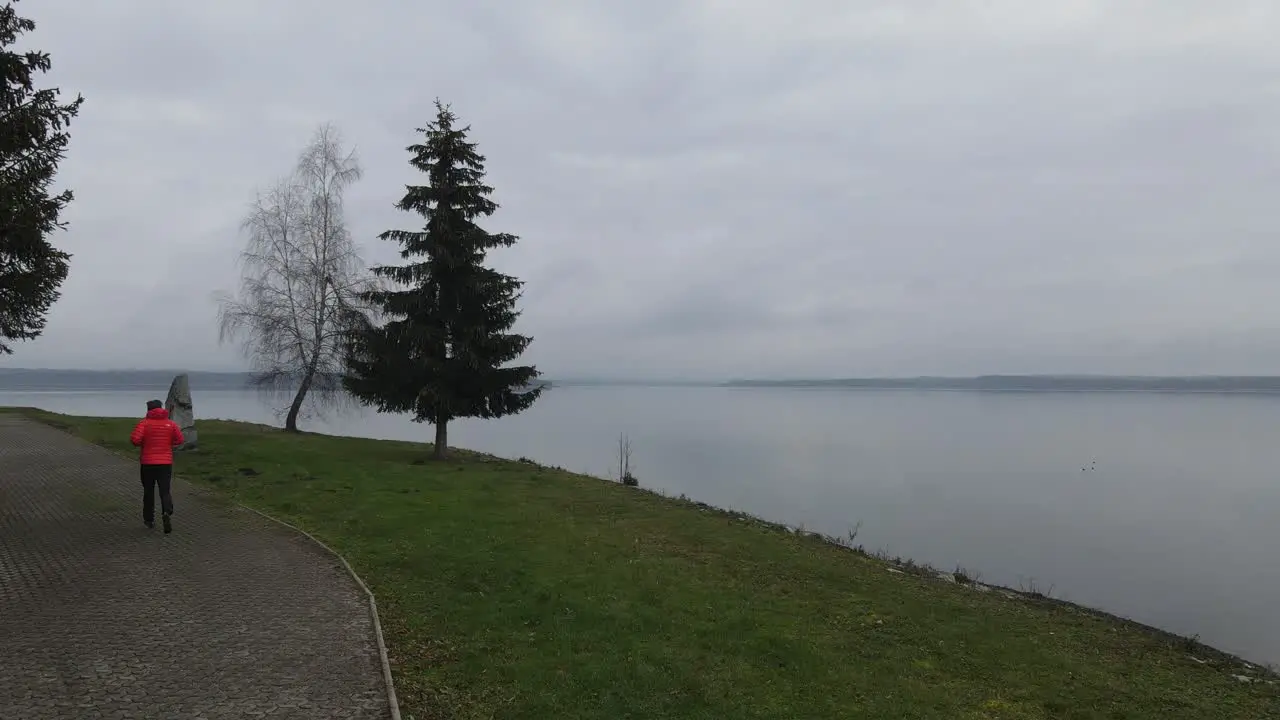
(373, 607)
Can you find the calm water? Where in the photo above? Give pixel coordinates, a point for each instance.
(1162, 508)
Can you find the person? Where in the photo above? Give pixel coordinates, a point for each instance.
(157, 435)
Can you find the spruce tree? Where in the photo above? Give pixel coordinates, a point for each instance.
(32, 141)
(444, 348)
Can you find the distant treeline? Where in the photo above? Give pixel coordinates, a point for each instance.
(1039, 383)
(622, 382)
(156, 381)
(32, 380)
(24, 380)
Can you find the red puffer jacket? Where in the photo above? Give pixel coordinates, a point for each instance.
(157, 435)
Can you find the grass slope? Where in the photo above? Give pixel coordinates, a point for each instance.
(508, 590)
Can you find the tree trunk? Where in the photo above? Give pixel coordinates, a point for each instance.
(441, 450)
(291, 420)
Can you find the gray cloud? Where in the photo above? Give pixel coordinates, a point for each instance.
(713, 188)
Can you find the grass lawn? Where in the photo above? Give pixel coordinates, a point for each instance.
(508, 590)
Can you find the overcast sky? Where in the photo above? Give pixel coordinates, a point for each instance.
(712, 187)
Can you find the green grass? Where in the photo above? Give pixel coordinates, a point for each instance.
(508, 590)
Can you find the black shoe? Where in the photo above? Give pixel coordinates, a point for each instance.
(167, 527)
(151, 524)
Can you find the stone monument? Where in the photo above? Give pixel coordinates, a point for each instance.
(178, 403)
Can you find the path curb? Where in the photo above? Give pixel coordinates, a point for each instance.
(373, 607)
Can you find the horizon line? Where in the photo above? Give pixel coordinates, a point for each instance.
(721, 379)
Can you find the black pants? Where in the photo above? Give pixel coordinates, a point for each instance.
(153, 475)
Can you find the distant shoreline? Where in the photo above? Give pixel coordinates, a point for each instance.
(42, 380)
(29, 380)
(1037, 384)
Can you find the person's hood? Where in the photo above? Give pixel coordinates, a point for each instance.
(158, 414)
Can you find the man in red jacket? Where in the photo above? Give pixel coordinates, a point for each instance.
(157, 435)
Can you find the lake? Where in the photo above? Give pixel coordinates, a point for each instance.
(1164, 508)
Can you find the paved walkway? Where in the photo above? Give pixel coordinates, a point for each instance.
(230, 616)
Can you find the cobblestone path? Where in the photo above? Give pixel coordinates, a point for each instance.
(230, 616)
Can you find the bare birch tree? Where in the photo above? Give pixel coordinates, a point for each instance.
(301, 283)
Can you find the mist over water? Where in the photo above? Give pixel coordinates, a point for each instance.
(1159, 507)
